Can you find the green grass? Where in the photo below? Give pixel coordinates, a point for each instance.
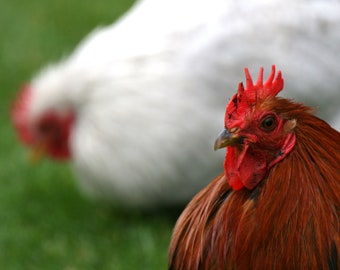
(45, 223)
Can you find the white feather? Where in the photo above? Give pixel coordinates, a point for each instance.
(150, 90)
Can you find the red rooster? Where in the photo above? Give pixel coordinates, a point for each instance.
(277, 205)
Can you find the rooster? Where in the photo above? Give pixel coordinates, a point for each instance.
(277, 204)
(122, 105)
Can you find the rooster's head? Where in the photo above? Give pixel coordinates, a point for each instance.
(257, 135)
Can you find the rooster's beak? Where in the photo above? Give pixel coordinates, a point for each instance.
(226, 138)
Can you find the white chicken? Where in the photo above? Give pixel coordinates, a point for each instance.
(136, 106)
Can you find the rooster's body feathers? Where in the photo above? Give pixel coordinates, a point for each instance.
(290, 220)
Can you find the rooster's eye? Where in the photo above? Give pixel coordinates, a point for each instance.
(268, 123)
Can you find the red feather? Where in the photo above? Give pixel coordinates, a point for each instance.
(289, 220)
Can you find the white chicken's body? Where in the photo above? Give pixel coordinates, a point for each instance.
(149, 91)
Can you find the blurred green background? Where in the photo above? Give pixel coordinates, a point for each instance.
(45, 223)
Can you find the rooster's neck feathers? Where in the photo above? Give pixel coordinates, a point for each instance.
(290, 219)
(226, 229)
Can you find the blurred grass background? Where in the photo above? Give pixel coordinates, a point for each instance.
(45, 223)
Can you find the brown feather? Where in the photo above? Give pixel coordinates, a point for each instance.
(290, 221)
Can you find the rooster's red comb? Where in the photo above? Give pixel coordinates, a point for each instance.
(248, 96)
